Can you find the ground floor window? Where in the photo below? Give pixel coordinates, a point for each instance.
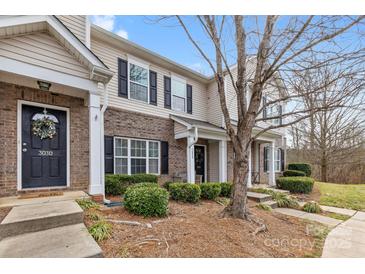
(277, 159)
(134, 156)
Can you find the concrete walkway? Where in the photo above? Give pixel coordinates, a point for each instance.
(46, 229)
(347, 240)
(331, 222)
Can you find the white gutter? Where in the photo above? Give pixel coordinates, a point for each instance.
(102, 147)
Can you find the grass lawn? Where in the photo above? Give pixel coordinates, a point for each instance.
(346, 196)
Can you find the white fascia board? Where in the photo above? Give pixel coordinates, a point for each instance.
(39, 73)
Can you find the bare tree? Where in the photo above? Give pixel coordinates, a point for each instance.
(281, 46)
(332, 136)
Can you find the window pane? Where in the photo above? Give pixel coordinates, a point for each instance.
(153, 149)
(121, 147)
(153, 165)
(138, 74)
(138, 92)
(178, 103)
(178, 88)
(138, 148)
(121, 165)
(138, 166)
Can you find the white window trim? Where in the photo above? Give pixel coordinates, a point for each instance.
(129, 157)
(269, 160)
(181, 80)
(144, 65)
(269, 112)
(277, 153)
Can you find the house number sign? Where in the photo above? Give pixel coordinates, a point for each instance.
(45, 153)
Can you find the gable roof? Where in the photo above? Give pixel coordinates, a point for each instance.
(18, 25)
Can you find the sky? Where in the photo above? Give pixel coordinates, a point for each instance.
(166, 39)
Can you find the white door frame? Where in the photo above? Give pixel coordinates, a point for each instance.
(205, 160)
(19, 142)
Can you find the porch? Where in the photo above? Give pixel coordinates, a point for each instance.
(52, 76)
(209, 154)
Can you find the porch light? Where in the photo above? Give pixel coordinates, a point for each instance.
(44, 85)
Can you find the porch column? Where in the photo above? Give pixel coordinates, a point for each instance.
(272, 165)
(222, 161)
(190, 160)
(95, 184)
(249, 179)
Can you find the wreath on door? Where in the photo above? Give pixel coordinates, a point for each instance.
(43, 126)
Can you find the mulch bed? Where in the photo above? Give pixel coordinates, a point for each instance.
(3, 212)
(198, 231)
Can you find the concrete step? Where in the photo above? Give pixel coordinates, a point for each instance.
(258, 197)
(72, 241)
(271, 204)
(37, 217)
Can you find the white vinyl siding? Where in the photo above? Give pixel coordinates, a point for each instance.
(109, 54)
(76, 24)
(214, 111)
(44, 51)
(133, 156)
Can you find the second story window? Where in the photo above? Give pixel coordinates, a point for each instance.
(272, 110)
(178, 92)
(138, 82)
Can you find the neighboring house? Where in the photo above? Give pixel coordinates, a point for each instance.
(153, 115)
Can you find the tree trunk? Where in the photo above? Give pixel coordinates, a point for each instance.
(324, 168)
(238, 205)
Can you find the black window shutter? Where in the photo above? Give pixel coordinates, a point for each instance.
(109, 154)
(164, 157)
(264, 111)
(280, 108)
(282, 159)
(189, 98)
(153, 88)
(266, 162)
(122, 78)
(167, 91)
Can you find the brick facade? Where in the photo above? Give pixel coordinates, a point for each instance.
(79, 135)
(124, 123)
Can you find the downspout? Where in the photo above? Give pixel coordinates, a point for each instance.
(191, 142)
(195, 138)
(102, 146)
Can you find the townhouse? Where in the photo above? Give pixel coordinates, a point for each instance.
(78, 101)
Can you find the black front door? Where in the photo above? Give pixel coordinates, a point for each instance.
(44, 161)
(199, 154)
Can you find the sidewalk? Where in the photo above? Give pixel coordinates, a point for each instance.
(347, 240)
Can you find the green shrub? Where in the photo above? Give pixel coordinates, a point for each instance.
(210, 191)
(306, 168)
(144, 185)
(293, 173)
(146, 200)
(226, 189)
(264, 207)
(100, 230)
(284, 200)
(87, 204)
(312, 207)
(167, 184)
(295, 184)
(141, 178)
(116, 184)
(185, 192)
